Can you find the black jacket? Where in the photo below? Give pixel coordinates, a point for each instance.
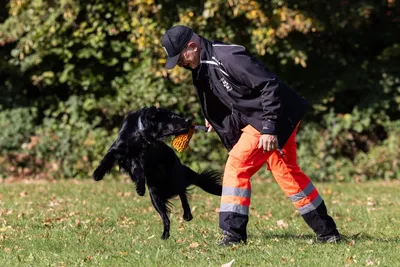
(235, 89)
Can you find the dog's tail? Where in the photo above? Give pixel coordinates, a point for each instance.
(105, 165)
(210, 181)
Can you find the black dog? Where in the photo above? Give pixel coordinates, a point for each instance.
(141, 152)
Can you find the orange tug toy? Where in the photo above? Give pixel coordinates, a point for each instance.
(181, 142)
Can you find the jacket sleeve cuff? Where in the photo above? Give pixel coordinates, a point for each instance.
(269, 127)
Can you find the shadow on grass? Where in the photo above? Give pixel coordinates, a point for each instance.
(345, 238)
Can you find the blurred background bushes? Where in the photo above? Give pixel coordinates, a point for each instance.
(70, 70)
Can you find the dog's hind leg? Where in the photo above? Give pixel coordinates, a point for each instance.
(187, 214)
(161, 207)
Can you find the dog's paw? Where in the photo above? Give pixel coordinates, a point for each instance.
(140, 192)
(165, 235)
(140, 189)
(187, 217)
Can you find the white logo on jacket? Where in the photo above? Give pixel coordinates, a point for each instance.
(227, 86)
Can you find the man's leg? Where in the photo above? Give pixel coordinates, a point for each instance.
(244, 160)
(301, 191)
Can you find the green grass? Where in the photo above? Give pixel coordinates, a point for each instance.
(70, 223)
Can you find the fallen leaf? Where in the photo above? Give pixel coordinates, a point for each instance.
(370, 201)
(124, 253)
(349, 260)
(194, 245)
(282, 224)
(229, 264)
(369, 262)
(150, 237)
(23, 194)
(327, 191)
(352, 242)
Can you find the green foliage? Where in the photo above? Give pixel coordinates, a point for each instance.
(66, 144)
(74, 69)
(16, 126)
(347, 148)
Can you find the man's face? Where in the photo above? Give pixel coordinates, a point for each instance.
(190, 56)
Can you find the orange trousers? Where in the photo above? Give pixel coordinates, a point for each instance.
(244, 160)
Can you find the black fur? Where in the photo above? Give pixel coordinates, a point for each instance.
(141, 152)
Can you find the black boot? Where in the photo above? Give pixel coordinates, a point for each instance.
(230, 240)
(322, 224)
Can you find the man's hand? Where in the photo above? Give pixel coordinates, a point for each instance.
(208, 125)
(268, 142)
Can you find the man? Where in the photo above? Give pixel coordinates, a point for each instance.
(256, 116)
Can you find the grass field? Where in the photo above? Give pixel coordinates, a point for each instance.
(83, 223)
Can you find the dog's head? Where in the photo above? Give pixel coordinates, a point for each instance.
(156, 123)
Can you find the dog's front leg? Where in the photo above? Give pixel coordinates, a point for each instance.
(187, 214)
(138, 176)
(161, 207)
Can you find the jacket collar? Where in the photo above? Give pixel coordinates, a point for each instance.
(205, 55)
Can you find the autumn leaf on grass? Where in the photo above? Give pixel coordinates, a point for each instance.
(48, 222)
(327, 191)
(371, 202)
(229, 264)
(369, 262)
(4, 229)
(194, 245)
(282, 224)
(349, 260)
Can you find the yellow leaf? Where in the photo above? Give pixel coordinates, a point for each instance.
(194, 245)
